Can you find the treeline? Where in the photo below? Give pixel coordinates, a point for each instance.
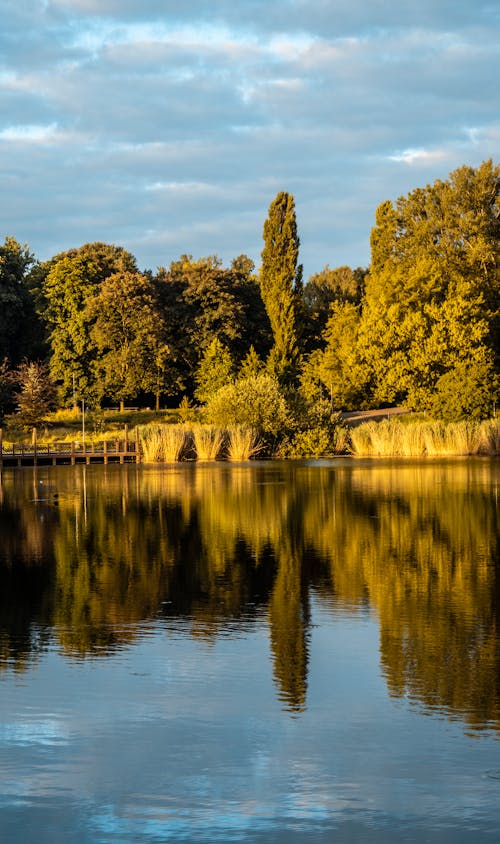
(420, 327)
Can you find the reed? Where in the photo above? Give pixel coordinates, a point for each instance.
(208, 441)
(163, 443)
(242, 443)
(342, 440)
(391, 438)
(490, 437)
(463, 437)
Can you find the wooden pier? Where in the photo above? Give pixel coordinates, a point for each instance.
(57, 454)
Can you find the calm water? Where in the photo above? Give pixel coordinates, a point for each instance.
(254, 653)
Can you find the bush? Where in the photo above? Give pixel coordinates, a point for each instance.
(255, 402)
(468, 391)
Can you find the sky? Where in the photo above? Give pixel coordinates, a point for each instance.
(169, 126)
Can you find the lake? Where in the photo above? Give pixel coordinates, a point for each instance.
(262, 652)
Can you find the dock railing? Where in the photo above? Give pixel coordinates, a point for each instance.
(115, 450)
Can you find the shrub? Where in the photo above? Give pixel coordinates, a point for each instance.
(468, 391)
(312, 442)
(255, 402)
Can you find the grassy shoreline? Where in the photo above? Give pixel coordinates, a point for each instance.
(165, 438)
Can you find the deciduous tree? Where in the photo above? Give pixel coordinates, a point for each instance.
(72, 280)
(433, 291)
(133, 354)
(18, 320)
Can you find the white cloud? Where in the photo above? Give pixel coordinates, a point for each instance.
(413, 156)
(30, 134)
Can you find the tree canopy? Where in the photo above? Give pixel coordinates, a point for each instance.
(420, 326)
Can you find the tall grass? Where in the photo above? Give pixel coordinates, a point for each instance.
(164, 443)
(491, 436)
(391, 438)
(208, 441)
(242, 443)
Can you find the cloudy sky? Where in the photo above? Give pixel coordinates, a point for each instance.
(168, 126)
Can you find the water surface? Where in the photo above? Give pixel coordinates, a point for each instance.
(264, 652)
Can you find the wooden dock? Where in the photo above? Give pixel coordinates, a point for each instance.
(57, 454)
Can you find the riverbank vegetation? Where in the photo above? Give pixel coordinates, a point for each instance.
(237, 348)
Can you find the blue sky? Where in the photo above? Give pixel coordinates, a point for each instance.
(169, 127)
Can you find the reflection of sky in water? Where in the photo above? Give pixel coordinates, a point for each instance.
(174, 741)
(37, 732)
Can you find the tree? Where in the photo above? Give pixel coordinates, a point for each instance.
(280, 281)
(251, 365)
(19, 327)
(133, 354)
(72, 280)
(201, 299)
(36, 395)
(342, 285)
(337, 371)
(7, 389)
(433, 290)
(216, 369)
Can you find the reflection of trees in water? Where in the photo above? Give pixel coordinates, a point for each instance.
(419, 543)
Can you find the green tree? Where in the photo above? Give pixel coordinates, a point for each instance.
(133, 354)
(7, 389)
(19, 326)
(36, 394)
(216, 369)
(68, 283)
(251, 365)
(201, 299)
(340, 285)
(337, 372)
(280, 282)
(433, 290)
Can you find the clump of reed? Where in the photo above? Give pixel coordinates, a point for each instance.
(208, 441)
(164, 443)
(342, 439)
(242, 443)
(490, 443)
(391, 438)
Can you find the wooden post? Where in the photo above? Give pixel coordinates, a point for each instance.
(137, 454)
(105, 452)
(73, 453)
(126, 437)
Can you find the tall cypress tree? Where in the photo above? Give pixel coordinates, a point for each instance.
(280, 282)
